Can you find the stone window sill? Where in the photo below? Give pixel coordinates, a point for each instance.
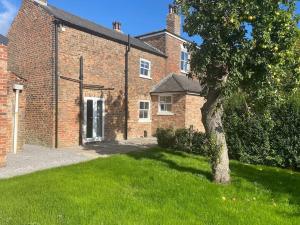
(145, 121)
(165, 114)
(145, 77)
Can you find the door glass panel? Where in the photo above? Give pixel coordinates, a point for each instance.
(89, 117)
(99, 118)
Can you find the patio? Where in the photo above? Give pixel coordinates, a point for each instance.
(36, 158)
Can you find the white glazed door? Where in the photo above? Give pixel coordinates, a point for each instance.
(93, 119)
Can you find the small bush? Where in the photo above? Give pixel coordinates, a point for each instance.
(183, 138)
(165, 138)
(186, 140)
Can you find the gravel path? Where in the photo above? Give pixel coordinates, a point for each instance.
(36, 158)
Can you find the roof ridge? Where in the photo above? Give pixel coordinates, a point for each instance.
(161, 82)
(173, 75)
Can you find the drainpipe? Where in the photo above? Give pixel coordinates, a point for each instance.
(17, 88)
(56, 24)
(81, 102)
(128, 47)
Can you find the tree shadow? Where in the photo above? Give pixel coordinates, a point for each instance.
(278, 181)
(160, 156)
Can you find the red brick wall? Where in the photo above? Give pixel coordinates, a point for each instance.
(193, 115)
(139, 89)
(158, 41)
(169, 121)
(171, 46)
(3, 105)
(173, 50)
(104, 64)
(31, 56)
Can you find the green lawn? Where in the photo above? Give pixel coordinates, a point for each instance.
(156, 187)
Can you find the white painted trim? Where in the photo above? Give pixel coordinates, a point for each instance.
(164, 32)
(95, 99)
(165, 112)
(148, 120)
(150, 69)
(195, 94)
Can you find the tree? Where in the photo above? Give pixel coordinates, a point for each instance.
(248, 45)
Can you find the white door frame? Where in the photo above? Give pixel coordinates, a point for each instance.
(94, 139)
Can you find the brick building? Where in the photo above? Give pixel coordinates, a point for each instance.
(12, 115)
(87, 83)
(3, 101)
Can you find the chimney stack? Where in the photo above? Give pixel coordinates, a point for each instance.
(174, 20)
(117, 26)
(42, 2)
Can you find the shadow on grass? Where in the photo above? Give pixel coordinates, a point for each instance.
(278, 181)
(158, 155)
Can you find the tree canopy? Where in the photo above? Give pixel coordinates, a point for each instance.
(248, 46)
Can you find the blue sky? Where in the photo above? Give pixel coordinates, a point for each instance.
(137, 16)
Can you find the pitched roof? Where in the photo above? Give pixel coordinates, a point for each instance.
(177, 83)
(97, 29)
(161, 32)
(3, 40)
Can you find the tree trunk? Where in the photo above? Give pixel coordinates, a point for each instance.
(212, 112)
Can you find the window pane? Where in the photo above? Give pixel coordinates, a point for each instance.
(99, 119)
(145, 114)
(141, 114)
(169, 108)
(89, 118)
(168, 99)
(182, 55)
(144, 110)
(141, 105)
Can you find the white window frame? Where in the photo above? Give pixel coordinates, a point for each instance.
(144, 120)
(184, 50)
(165, 113)
(140, 67)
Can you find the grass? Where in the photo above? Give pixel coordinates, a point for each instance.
(153, 187)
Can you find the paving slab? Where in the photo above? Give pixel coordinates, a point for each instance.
(36, 158)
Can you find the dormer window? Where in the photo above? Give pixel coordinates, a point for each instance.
(145, 68)
(184, 60)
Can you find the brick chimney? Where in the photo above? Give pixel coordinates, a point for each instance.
(117, 26)
(174, 20)
(42, 2)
